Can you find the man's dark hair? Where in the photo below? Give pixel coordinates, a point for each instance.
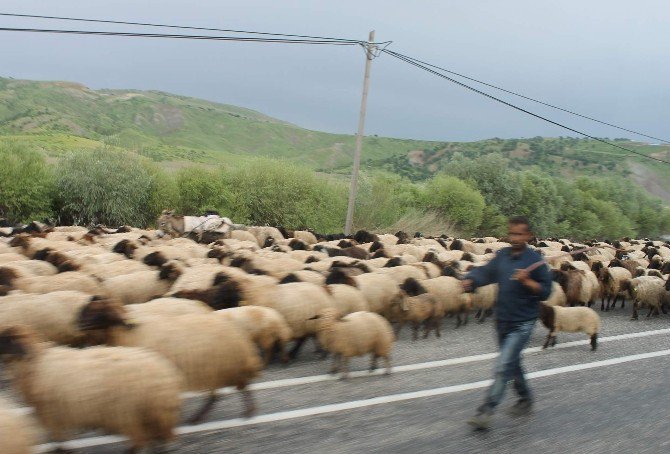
(520, 220)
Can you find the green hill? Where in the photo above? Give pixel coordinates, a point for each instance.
(59, 116)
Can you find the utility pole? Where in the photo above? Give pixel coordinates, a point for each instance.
(359, 137)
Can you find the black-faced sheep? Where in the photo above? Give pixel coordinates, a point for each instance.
(354, 334)
(571, 320)
(210, 352)
(127, 391)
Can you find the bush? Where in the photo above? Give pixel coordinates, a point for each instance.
(26, 184)
(103, 186)
(455, 201)
(201, 189)
(382, 200)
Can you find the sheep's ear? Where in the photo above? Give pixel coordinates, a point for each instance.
(314, 318)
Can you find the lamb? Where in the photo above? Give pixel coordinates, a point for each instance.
(571, 320)
(647, 291)
(557, 297)
(127, 391)
(417, 307)
(210, 352)
(355, 334)
(613, 279)
(16, 434)
(483, 299)
(266, 327)
(52, 315)
(379, 290)
(71, 280)
(449, 291)
(142, 286)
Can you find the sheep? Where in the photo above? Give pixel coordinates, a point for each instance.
(201, 277)
(304, 276)
(71, 280)
(31, 268)
(354, 334)
(417, 307)
(647, 291)
(263, 233)
(557, 297)
(166, 307)
(402, 272)
(449, 291)
(210, 352)
(128, 391)
(243, 235)
(12, 257)
(612, 278)
(571, 320)
(379, 290)
(52, 315)
(483, 299)
(142, 286)
(112, 269)
(347, 299)
(266, 327)
(16, 432)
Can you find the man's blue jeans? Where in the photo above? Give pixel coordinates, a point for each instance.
(512, 339)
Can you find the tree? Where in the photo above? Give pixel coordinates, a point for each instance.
(455, 200)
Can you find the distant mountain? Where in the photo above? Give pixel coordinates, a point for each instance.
(58, 116)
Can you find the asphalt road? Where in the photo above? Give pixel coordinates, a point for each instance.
(614, 399)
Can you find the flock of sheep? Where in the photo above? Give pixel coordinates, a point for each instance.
(160, 316)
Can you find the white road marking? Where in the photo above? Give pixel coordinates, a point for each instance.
(282, 383)
(352, 405)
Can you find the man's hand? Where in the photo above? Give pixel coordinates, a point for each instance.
(467, 285)
(523, 276)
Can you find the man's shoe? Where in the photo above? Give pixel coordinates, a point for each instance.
(521, 408)
(481, 421)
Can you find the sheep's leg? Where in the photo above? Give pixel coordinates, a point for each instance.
(594, 342)
(634, 317)
(415, 330)
(459, 322)
(438, 325)
(296, 348)
(651, 309)
(546, 342)
(345, 368)
(427, 327)
(200, 414)
(336, 363)
(398, 327)
(553, 341)
(387, 363)
(373, 362)
(249, 404)
(479, 313)
(467, 316)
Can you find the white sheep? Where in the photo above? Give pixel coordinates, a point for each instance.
(647, 291)
(379, 290)
(570, 319)
(209, 351)
(127, 391)
(142, 286)
(71, 280)
(53, 315)
(266, 327)
(16, 432)
(355, 334)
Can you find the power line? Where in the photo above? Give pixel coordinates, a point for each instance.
(425, 68)
(196, 37)
(533, 99)
(148, 24)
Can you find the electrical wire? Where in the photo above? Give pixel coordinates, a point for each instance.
(183, 27)
(196, 37)
(416, 60)
(468, 87)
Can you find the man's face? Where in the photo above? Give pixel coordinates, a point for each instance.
(519, 235)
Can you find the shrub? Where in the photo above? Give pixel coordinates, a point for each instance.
(26, 184)
(455, 201)
(104, 186)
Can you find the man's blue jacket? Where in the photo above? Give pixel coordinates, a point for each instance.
(515, 303)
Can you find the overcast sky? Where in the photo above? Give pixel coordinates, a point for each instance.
(604, 58)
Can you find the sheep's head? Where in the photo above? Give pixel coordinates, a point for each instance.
(311, 259)
(226, 295)
(16, 342)
(7, 276)
(102, 314)
(156, 258)
(21, 240)
(363, 236)
(346, 243)
(467, 257)
(126, 247)
(412, 287)
(298, 245)
(379, 253)
(339, 276)
(393, 262)
(403, 238)
(547, 316)
(449, 270)
(217, 253)
(171, 270)
(289, 278)
(42, 254)
(456, 245)
(269, 241)
(667, 284)
(665, 269)
(67, 265)
(597, 267)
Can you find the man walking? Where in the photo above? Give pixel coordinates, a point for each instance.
(517, 308)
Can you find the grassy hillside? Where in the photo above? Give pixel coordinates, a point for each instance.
(59, 116)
